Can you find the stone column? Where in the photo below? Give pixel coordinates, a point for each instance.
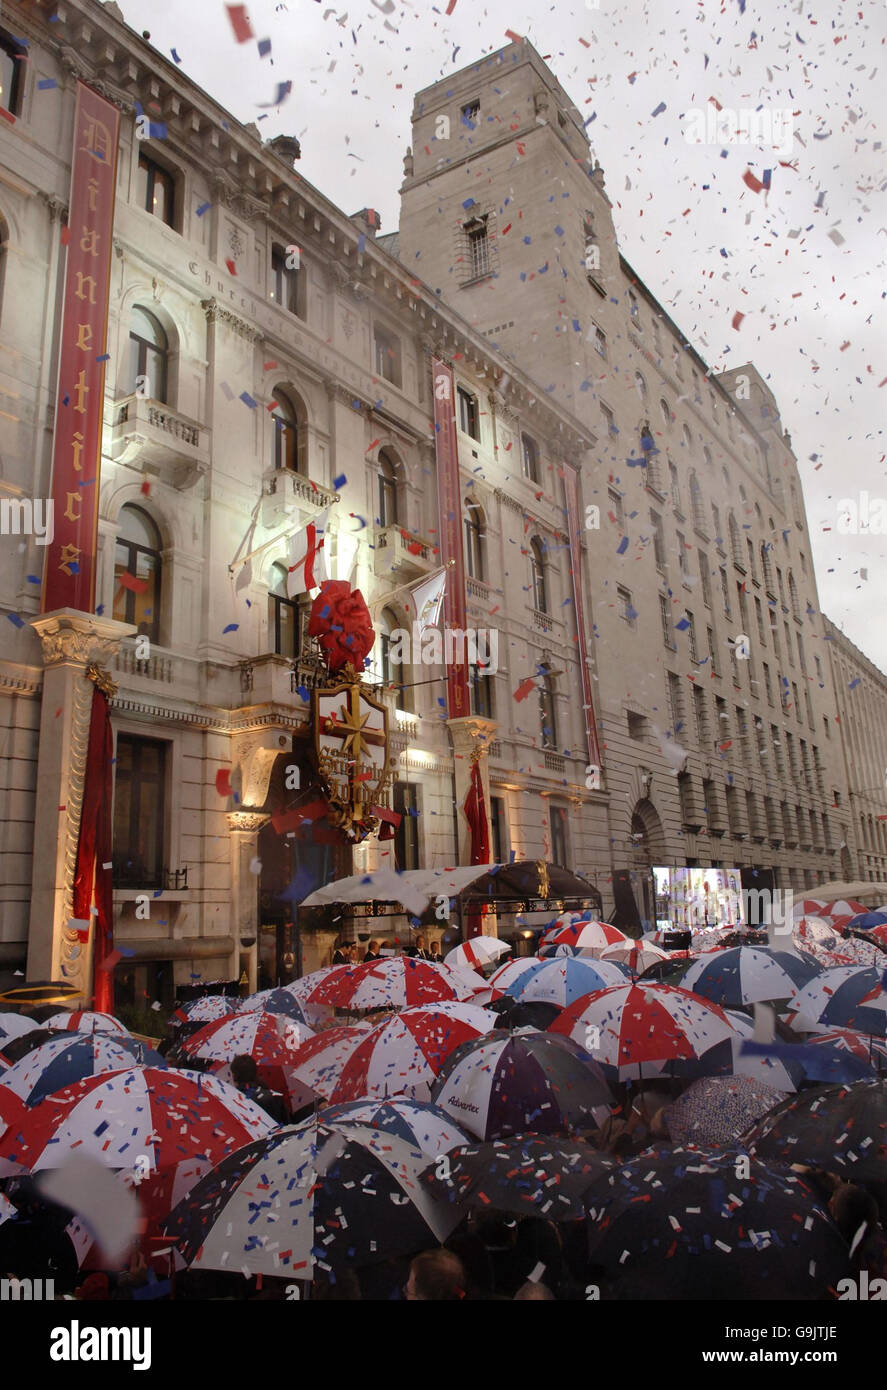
(244, 827)
(71, 641)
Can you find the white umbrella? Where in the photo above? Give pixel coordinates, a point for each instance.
(478, 951)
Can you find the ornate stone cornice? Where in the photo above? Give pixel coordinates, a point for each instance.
(56, 207)
(216, 313)
(246, 822)
(73, 64)
(79, 639)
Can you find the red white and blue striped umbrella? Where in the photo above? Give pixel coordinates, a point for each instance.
(860, 1045)
(518, 1083)
(636, 956)
(865, 920)
(398, 982)
(400, 1056)
(561, 980)
(476, 953)
(206, 1009)
(586, 933)
(270, 1039)
(15, 1026)
(644, 1029)
(279, 1000)
(849, 996)
(424, 1126)
(85, 1021)
(748, 975)
(67, 1058)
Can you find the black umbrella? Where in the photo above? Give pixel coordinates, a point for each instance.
(689, 1224)
(840, 1128)
(529, 1174)
(40, 992)
(525, 1013)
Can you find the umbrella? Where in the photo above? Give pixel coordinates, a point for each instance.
(395, 982)
(644, 1029)
(479, 951)
(85, 1021)
(140, 1119)
(13, 1115)
(15, 1048)
(508, 1083)
(809, 907)
(560, 981)
(275, 1001)
(420, 1124)
(270, 1039)
(636, 956)
(302, 988)
(868, 919)
(591, 935)
(400, 1056)
(66, 1058)
(520, 1013)
(747, 975)
(40, 992)
(206, 1009)
(14, 1026)
(310, 1194)
(849, 996)
(844, 907)
(715, 1110)
(842, 1129)
(683, 1223)
(872, 1051)
(527, 1174)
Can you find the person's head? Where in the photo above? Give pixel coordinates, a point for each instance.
(420, 943)
(536, 1292)
(435, 948)
(244, 1071)
(852, 1207)
(373, 948)
(436, 1276)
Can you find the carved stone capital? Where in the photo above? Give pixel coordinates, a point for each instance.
(56, 207)
(216, 313)
(79, 639)
(246, 822)
(472, 735)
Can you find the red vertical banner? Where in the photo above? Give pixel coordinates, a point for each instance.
(69, 576)
(573, 519)
(449, 505)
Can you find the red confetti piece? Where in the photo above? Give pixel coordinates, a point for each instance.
(146, 488)
(749, 179)
(129, 581)
(223, 782)
(243, 30)
(66, 231)
(524, 688)
(231, 266)
(737, 319)
(450, 7)
(268, 367)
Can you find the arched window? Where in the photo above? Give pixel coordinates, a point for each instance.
(388, 666)
(530, 454)
(697, 505)
(687, 437)
(793, 595)
(547, 712)
(640, 386)
(148, 355)
(283, 617)
(537, 574)
(665, 411)
(287, 445)
(474, 540)
(706, 456)
(137, 569)
(388, 490)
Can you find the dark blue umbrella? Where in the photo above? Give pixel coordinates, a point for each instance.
(69, 1057)
(867, 920)
(747, 975)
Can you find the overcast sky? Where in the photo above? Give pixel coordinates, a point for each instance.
(809, 279)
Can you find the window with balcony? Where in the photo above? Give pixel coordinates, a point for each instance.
(474, 540)
(283, 616)
(469, 420)
(388, 490)
(625, 608)
(156, 190)
(287, 434)
(530, 457)
(137, 572)
(139, 811)
(537, 575)
(148, 355)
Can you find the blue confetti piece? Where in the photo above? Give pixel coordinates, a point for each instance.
(659, 109)
(682, 625)
(469, 203)
(264, 47)
(100, 610)
(303, 692)
(204, 207)
(361, 244)
(852, 685)
(248, 400)
(74, 567)
(15, 619)
(232, 627)
(175, 56)
(32, 578)
(46, 84)
(622, 546)
(559, 231)
(339, 482)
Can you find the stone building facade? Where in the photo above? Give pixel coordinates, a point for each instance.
(716, 692)
(267, 360)
(861, 727)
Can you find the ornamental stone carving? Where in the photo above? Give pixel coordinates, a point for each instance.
(246, 822)
(216, 313)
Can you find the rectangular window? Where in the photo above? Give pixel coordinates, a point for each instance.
(480, 690)
(471, 110)
(716, 519)
(139, 812)
(468, 413)
(386, 355)
(675, 487)
(600, 342)
(691, 637)
(788, 643)
(155, 190)
(768, 687)
(665, 618)
(658, 540)
(637, 726)
(498, 831)
(742, 734)
(633, 310)
(712, 650)
(478, 247)
(557, 821)
(725, 591)
(708, 797)
(722, 731)
(675, 703)
(750, 552)
(751, 811)
(530, 454)
(705, 578)
(287, 280)
(796, 700)
(731, 797)
(609, 419)
(626, 610)
(12, 58)
(685, 793)
(702, 729)
(776, 742)
(682, 555)
(616, 508)
(406, 837)
(819, 672)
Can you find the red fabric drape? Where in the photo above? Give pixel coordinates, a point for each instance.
(92, 883)
(476, 814)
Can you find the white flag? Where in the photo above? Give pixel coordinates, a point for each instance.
(307, 556)
(427, 600)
